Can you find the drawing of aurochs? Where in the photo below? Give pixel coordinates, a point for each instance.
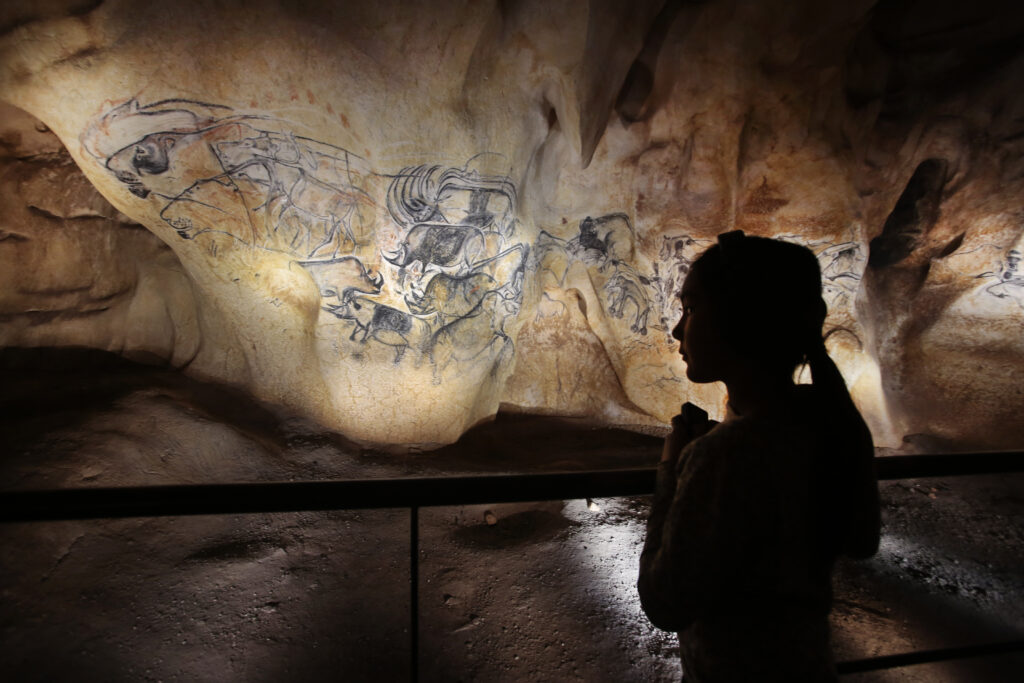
(228, 180)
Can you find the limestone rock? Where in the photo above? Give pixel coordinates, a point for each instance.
(73, 270)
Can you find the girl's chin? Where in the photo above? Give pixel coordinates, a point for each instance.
(695, 375)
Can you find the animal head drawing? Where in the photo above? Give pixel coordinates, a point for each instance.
(158, 148)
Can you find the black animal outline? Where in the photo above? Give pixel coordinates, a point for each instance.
(597, 246)
(336, 277)
(262, 185)
(450, 296)
(416, 195)
(623, 288)
(445, 340)
(440, 247)
(281, 191)
(1010, 283)
(454, 257)
(378, 322)
(293, 182)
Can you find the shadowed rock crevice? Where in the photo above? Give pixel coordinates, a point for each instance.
(933, 50)
(17, 16)
(912, 218)
(633, 102)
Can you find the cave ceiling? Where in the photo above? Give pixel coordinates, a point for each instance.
(398, 217)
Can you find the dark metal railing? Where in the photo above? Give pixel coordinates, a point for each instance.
(414, 493)
(928, 656)
(308, 496)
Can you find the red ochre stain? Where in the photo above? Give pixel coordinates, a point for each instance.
(270, 96)
(309, 96)
(253, 104)
(294, 96)
(344, 120)
(764, 201)
(330, 109)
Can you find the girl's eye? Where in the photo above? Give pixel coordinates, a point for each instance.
(688, 310)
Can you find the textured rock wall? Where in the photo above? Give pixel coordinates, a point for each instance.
(395, 218)
(74, 270)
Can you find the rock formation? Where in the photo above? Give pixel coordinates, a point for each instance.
(396, 217)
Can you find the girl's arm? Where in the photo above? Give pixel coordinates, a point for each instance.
(680, 534)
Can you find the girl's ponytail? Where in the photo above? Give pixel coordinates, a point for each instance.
(789, 304)
(848, 465)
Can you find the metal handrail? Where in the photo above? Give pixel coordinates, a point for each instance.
(309, 496)
(413, 493)
(928, 656)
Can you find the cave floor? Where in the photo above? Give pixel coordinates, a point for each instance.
(516, 592)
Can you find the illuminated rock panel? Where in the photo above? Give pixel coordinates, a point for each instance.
(397, 218)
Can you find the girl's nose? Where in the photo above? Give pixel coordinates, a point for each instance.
(677, 331)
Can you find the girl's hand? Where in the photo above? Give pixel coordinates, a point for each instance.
(690, 423)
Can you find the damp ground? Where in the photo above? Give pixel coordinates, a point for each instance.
(514, 592)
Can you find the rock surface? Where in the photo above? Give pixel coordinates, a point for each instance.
(395, 218)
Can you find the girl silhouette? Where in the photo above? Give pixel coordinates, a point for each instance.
(750, 515)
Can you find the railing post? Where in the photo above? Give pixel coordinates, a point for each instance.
(414, 593)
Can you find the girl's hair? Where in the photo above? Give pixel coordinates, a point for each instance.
(766, 296)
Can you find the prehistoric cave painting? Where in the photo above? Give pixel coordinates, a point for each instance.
(446, 290)
(627, 296)
(461, 259)
(605, 246)
(1003, 279)
(1009, 280)
(603, 242)
(455, 275)
(480, 334)
(380, 323)
(842, 266)
(463, 196)
(550, 307)
(223, 177)
(341, 279)
(676, 257)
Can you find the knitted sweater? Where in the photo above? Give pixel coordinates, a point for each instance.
(733, 560)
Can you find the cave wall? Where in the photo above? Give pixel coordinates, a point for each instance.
(395, 219)
(75, 271)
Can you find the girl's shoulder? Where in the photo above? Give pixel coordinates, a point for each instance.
(791, 428)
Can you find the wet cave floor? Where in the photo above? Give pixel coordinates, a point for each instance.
(515, 592)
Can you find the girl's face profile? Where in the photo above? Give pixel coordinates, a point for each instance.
(701, 343)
